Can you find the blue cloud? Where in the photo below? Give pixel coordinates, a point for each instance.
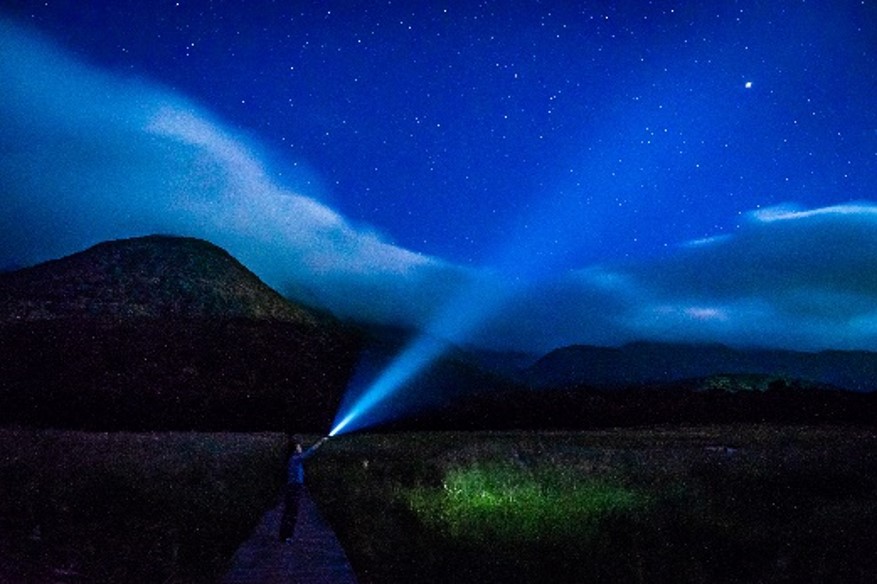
(787, 278)
(90, 156)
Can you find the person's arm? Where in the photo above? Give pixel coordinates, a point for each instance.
(310, 451)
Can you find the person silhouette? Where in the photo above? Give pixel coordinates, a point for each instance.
(295, 481)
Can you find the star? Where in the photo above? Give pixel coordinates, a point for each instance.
(748, 85)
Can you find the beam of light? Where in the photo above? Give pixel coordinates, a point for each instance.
(548, 240)
(365, 409)
(404, 367)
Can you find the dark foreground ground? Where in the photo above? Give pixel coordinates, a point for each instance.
(755, 503)
(130, 507)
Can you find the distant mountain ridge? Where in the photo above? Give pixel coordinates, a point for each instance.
(164, 332)
(645, 363)
(153, 276)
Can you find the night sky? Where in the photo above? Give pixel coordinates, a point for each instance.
(513, 174)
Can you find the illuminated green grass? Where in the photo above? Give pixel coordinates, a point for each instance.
(789, 504)
(505, 503)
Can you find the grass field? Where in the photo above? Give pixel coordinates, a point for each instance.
(715, 504)
(125, 507)
(702, 504)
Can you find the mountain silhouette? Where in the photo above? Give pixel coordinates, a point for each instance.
(164, 332)
(644, 363)
(155, 276)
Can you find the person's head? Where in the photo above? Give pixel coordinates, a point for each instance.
(293, 444)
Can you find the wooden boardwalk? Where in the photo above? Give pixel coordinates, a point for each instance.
(313, 557)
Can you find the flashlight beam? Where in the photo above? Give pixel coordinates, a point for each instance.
(413, 360)
(472, 306)
(340, 425)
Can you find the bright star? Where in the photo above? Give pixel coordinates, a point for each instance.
(748, 85)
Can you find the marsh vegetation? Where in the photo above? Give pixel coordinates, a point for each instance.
(708, 504)
(757, 503)
(130, 507)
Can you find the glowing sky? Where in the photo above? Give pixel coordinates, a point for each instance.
(678, 171)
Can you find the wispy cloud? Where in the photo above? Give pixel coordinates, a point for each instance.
(88, 156)
(93, 156)
(789, 277)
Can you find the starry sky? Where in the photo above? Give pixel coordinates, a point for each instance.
(513, 174)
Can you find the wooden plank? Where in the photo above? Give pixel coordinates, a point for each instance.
(315, 555)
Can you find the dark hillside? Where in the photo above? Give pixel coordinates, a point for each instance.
(156, 276)
(164, 332)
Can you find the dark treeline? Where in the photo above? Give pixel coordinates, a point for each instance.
(588, 408)
(248, 375)
(199, 374)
